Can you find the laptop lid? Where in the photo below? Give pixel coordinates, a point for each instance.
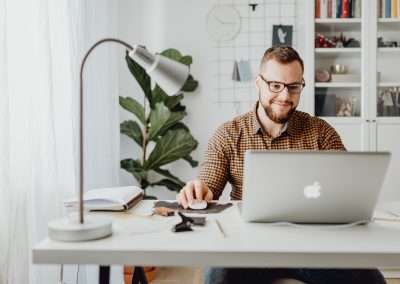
(312, 186)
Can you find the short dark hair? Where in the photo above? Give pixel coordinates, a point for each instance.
(283, 54)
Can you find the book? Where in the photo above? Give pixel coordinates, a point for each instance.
(317, 8)
(339, 9)
(383, 15)
(388, 8)
(398, 9)
(334, 8)
(345, 8)
(357, 9)
(324, 9)
(394, 9)
(351, 14)
(379, 8)
(108, 199)
(330, 8)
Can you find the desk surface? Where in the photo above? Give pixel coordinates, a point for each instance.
(142, 240)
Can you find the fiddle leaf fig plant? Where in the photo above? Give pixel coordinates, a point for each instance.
(157, 128)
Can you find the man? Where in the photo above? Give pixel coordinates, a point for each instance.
(274, 123)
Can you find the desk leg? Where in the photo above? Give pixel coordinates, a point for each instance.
(139, 277)
(104, 275)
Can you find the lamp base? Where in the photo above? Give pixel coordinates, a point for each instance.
(70, 230)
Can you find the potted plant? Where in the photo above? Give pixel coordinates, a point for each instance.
(157, 128)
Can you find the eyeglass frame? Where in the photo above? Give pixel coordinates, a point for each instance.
(303, 84)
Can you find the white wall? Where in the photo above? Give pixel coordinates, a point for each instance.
(181, 24)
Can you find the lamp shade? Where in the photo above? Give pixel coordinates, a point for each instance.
(170, 75)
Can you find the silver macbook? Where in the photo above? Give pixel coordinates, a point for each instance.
(312, 186)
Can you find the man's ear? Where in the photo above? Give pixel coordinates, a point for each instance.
(257, 83)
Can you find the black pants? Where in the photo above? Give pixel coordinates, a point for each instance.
(309, 276)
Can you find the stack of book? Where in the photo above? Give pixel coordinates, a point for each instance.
(338, 8)
(388, 8)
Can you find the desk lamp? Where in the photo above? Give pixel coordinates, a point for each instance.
(170, 76)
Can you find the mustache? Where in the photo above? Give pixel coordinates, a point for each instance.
(282, 102)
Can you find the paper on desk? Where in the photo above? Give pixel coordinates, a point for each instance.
(392, 207)
(158, 225)
(385, 215)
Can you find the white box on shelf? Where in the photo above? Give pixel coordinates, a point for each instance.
(345, 78)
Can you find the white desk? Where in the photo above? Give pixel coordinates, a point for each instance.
(149, 241)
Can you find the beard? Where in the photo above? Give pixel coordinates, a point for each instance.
(278, 118)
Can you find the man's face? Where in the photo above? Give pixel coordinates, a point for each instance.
(279, 106)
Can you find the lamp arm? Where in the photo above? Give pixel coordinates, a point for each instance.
(81, 165)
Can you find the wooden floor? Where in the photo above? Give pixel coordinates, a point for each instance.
(184, 275)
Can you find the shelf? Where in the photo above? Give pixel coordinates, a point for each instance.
(389, 20)
(342, 119)
(389, 84)
(338, 50)
(338, 85)
(389, 49)
(338, 21)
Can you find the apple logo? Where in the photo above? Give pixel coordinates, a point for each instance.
(313, 191)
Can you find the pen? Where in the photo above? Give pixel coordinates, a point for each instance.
(220, 228)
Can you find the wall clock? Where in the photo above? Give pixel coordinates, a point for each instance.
(223, 23)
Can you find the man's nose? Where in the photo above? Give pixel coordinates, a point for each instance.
(284, 93)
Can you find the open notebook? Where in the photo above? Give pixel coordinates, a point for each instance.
(109, 199)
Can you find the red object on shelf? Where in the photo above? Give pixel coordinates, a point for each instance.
(323, 42)
(330, 9)
(317, 8)
(345, 8)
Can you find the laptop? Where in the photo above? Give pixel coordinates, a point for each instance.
(327, 187)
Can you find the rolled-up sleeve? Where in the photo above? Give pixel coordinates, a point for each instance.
(214, 170)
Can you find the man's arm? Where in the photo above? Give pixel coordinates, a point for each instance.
(213, 175)
(329, 139)
(214, 170)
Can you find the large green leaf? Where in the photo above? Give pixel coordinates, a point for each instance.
(191, 161)
(174, 145)
(187, 60)
(167, 174)
(158, 117)
(133, 106)
(149, 197)
(158, 96)
(173, 119)
(135, 168)
(172, 53)
(161, 119)
(176, 126)
(141, 76)
(132, 129)
(170, 181)
(170, 101)
(190, 85)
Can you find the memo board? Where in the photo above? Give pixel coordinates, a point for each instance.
(257, 20)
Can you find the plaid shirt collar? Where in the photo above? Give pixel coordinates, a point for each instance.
(288, 126)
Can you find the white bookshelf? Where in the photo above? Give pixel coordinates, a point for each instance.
(389, 20)
(338, 50)
(374, 129)
(338, 85)
(389, 49)
(338, 21)
(389, 84)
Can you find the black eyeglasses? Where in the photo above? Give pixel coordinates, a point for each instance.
(277, 87)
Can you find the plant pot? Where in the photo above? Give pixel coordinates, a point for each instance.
(149, 271)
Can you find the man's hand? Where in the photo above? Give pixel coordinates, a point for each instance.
(194, 190)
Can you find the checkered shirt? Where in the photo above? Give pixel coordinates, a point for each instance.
(224, 157)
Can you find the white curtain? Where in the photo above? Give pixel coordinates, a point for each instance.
(41, 45)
